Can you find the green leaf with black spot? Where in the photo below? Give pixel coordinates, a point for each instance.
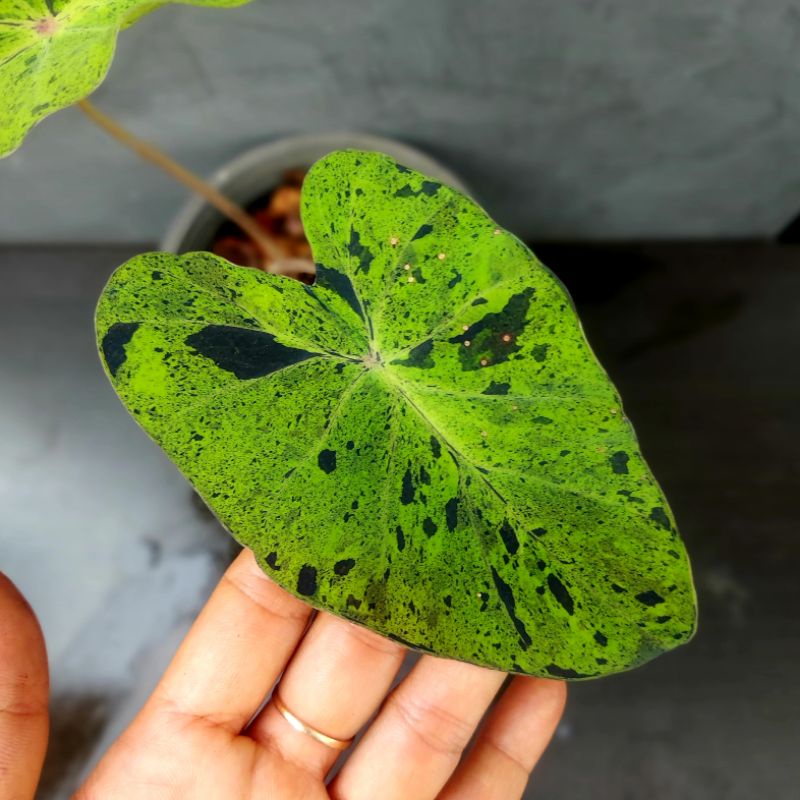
(422, 442)
(53, 54)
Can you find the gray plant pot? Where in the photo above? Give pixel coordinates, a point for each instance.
(255, 172)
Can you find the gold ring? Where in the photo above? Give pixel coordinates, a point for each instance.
(299, 725)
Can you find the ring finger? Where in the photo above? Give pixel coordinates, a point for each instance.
(333, 684)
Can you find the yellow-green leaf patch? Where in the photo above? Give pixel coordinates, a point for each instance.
(421, 442)
(53, 54)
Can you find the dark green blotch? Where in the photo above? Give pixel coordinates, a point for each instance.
(540, 352)
(307, 581)
(561, 594)
(344, 566)
(341, 284)
(650, 598)
(507, 596)
(429, 526)
(619, 462)
(247, 354)
(401, 539)
(479, 301)
(632, 498)
(448, 600)
(419, 357)
(428, 188)
(422, 232)
(327, 461)
(497, 388)
(600, 639)
(486, 335)
(569, 674)
(451, 514)
(436, 447)
(272, 560)
(454, 280)
(113, 345)
(509, 537)
(659, 516)
(156, 275)
(360, 251)
(539, 532)
(407, 493)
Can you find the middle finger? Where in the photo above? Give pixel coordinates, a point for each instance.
(417, 739)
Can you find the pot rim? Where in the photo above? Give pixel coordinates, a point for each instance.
(297, 151)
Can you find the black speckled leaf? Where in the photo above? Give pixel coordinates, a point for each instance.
(421, 442)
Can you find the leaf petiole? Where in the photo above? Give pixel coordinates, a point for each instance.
(272, 252)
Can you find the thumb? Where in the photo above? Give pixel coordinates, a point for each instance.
(23, 695)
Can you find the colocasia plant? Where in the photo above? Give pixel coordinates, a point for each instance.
(422, 441)
(53, 53)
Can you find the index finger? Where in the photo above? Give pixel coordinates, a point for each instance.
(234, 652)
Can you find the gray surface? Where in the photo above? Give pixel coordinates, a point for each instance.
(702, 344)
(102, 535)
(97, 528)
(586, 119)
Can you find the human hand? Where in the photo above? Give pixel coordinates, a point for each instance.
(197, 736)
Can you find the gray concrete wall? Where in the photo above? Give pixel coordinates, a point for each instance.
(588, 118)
